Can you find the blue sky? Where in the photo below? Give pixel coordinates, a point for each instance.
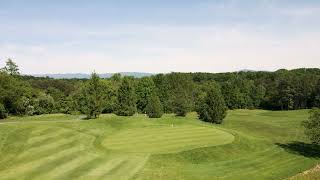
(159, 35)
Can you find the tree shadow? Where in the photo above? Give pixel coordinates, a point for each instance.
(301, 148)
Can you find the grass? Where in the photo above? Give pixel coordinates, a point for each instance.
(311, 174)
(250, 144)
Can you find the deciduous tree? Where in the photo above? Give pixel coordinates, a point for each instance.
(212, 107)
(312, 126)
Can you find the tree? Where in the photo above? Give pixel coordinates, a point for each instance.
(154, 107)
(285, 95)
(211, 106)
(11, 90)
(11, 67)
(317, 95)
(92, 98)
(312, 126)
(180, 103)
(145, 87)
(126, 100)
(3, 112)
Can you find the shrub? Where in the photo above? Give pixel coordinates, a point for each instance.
(312, 126)
(44, 104)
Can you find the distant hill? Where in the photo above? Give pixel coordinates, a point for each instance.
(87, 76)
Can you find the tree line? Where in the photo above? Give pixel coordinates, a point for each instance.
(208, 94)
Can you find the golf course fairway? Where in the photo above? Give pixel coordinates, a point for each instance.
(250, 144)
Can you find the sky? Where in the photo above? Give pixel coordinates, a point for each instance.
(159, 36)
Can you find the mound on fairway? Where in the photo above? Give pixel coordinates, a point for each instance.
(167, 139)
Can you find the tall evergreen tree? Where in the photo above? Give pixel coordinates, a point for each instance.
(126, 100)
(92, 97)
(181, 105)
(154, 107)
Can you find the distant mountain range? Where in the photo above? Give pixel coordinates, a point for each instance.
(87, 76)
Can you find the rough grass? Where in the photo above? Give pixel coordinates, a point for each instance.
(250, 144)
(311, 174)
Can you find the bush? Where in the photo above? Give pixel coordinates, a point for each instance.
(211, 107)
(44, 104)
(3, 112)
(154, 107)
(312, 126)
(23, 106)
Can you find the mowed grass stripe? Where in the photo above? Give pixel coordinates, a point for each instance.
(104, 168)
(61, 166)
(268, 162)
(162, 130)
(43, 130)
(83, 169)
(41, 137)
(47, 153)
(127, 169)
(268, 167)
(52, 139)
(45, 168)
(34, 150)
(157, 141)
(22, 169)
(171, 145)
(163, 134)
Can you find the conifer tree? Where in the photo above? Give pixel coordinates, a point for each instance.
(92, 98)
(126, 101)
(154, 108)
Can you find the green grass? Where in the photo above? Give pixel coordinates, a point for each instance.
(310, 174)
(250, 144)
(166, 139)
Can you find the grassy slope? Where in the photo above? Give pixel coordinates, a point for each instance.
(310, 174)
(46, 147)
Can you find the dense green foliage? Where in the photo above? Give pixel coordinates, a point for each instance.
(126, 104)
(144, 88)
(211, 107)
(92, 97)
(178, 92)
(250, 144)
(3, 112)
(312, 126)
(154, 108)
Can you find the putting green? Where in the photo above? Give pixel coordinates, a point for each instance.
(166, 139)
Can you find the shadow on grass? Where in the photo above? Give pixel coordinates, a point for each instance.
(301, 148)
